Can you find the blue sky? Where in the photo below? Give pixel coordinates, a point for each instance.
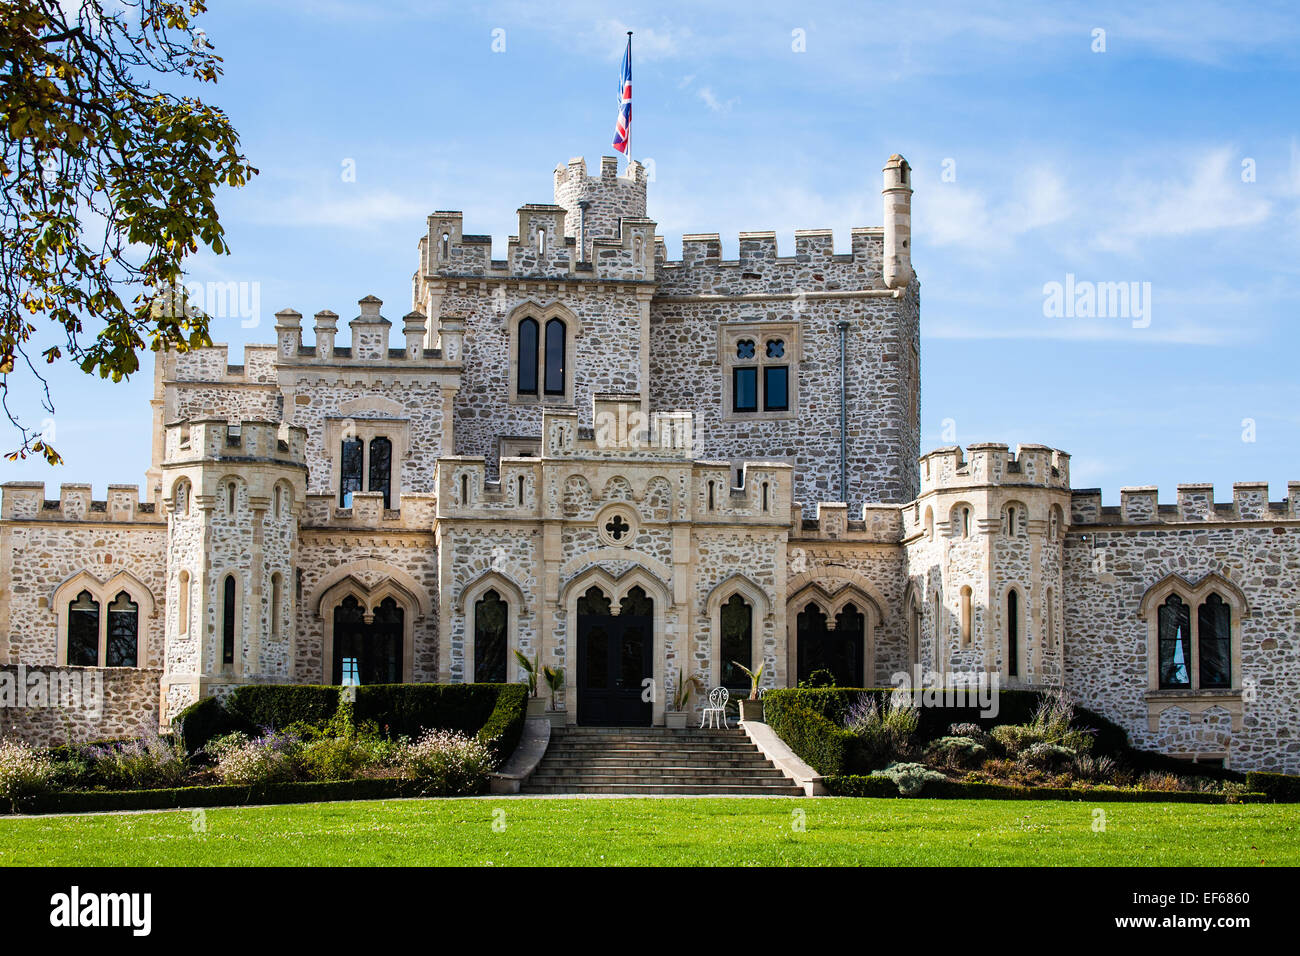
(1117, 166)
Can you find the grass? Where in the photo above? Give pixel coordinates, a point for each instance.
(675, 832)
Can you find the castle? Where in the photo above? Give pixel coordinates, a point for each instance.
(638, 470)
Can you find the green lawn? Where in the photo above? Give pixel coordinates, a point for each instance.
(507, 832)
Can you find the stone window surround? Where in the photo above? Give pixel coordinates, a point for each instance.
(1021, 529)
(396, 430)
(369, 598)
(629, 515)
(729, 334)
(760, 609)
(517, 610)
(1194, 700)
(104, 593)
(831, 605)
(1023, 611)
(572, 329)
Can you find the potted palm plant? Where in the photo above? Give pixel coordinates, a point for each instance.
(536, 706)
(554, 677)
(751, 708)
(677, 717)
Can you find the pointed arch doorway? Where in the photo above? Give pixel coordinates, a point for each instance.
(615, 658)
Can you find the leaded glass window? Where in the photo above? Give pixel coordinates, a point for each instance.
(83, 631)
(491, 618)
(554, 357)
(381, 467)
(526, 356)
(123, 632)
(737, 623)
(350, 464)
(1175, 640)
(1213, 638)
(228, 622)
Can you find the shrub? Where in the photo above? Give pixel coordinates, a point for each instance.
(1013, 738)
(885, 734)
(974, 731)
(24, 771)
(956, 753)
(1047, 756)
(1094, 769)
(446, 763)
(1279, 787)
(340, 758)
(819, 678)
(143, 764)
(267, 759)
(505, 724)
(910, 778)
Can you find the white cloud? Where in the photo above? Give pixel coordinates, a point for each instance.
(712, 102)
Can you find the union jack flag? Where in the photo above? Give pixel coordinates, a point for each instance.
(623, 127)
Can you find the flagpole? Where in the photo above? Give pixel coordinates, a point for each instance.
(628, 151)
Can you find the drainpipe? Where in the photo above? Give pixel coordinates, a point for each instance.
(582, 229)
(844, 417)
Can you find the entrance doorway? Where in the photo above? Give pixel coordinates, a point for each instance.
(615, 659)
(839, 650)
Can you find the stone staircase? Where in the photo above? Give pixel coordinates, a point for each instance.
(654, 760)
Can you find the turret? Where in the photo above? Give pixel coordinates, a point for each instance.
(898, 222)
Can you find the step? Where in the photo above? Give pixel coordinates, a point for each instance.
(657, 780)
(617, 789)
(575, 763)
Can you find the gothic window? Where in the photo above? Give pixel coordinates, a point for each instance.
(526, 376)
(83, 631)
(1175, 637)
(554, 384)
(737, 624)
(228, 622)
(123, 632)
(350, 463)
(1213, 642)
(381, 467)
(491, 618)
(1013, 633)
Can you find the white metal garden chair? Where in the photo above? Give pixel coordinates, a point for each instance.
(717, 709)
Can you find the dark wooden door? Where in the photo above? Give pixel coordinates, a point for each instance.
(615, 657)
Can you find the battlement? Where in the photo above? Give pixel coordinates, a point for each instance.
(26, 501)
(877, 524)
(991, 463)
(211, 365)
(216, 439)
(370, 335)
(543, 248)
(1194, 503)
(620, 429)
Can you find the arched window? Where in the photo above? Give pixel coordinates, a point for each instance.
(1013, 633)
(1214, 642)
(228, 622)
(122, 649)
(929, 523)
(936, 616)
(231, 492)
(351, 454)
(491, 618)
(1051, 618)
(526, 357)
(965, 522)
(381, 467)
(275, 501)
(182, 497)
(1015, 520)
(711, 496)
(446, 244)
(965, 614)
(83, 631)
(1175, 637)
(765, 496)
(541, 241)
(737, 642)
(554, 363)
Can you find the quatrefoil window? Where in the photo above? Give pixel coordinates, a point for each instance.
(617, 527)
(775, 348)
(745, 349)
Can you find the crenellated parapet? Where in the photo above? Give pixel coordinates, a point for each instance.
(26, 501)
(245, 442)
(369, 343)
(1193, 504)
(875, 524)
(992, 463)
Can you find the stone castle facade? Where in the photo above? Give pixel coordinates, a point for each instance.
(638, 470)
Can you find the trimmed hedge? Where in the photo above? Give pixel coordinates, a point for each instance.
(818, 740)
(203, 720)
(1277, 787)
(863, 786)
(494, 712)
(178, 798)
